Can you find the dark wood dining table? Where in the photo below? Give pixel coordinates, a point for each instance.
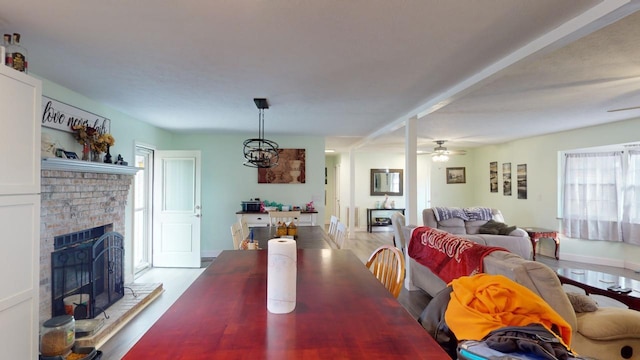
(342, 312)
(309, 237)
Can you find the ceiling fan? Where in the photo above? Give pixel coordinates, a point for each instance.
(441, 153)
(624, 109)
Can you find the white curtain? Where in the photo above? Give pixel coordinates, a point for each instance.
(592, 205)
(631, 208)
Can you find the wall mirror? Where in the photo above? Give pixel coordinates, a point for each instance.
(386, 182)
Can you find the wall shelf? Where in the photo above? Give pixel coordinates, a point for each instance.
(86, 166)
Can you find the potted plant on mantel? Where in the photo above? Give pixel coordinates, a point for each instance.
(93, 143)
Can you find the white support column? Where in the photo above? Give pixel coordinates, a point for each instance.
(411, 186)
(411, 171)
(352, 193)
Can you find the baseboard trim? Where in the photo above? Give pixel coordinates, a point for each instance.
(593, 260)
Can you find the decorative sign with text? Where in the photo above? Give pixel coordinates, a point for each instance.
(61, 116)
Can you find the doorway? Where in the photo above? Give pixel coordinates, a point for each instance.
(142, 209)
(177, 209)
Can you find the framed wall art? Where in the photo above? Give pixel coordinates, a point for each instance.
(506, 179)
(456, 175)
(290, 168)
(522, 181)
(493, 176)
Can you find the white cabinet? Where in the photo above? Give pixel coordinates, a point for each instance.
(307, 219)
(255, 220)
(262, 219)
(20, 98)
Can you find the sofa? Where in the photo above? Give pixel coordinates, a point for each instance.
(607, 333)
(517, 241)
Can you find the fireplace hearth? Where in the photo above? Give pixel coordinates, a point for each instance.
(91, 263)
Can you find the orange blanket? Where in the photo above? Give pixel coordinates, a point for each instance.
(482, 303)
(447, 255)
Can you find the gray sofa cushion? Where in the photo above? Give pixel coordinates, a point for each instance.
(517, 241)
(473, 227)
(454, 226)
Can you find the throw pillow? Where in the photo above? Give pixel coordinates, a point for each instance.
(490, 227)
(506, 230)
(495, 228)
(582, 303)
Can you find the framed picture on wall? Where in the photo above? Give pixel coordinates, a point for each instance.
(506, 179)
(522, 181)
(290, 169)
(493, 176)
(70, 155)
(456, 175)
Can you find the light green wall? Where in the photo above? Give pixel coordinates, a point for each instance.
(540, 208)
(364, 162)
(456, 195)
(124, 129)
(226, 182)
(540, 154)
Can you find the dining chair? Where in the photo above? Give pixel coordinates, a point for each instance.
(387, 265)
(341, 235)
(245, 227)
(397, 222)
(236, 234)
(333, 223)
(284, 216)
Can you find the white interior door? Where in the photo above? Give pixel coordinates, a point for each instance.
(177, 210)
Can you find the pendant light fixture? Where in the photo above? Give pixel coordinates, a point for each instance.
(260, 152)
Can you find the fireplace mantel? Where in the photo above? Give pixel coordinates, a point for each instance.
(86, 166)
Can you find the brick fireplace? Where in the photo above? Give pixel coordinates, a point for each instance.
(82, 196)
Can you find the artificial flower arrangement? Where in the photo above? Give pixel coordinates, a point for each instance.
(310, 207)
(87, 135)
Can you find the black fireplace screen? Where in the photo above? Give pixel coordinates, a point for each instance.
(94, 267)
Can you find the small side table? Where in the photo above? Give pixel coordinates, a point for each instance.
(538, 233)
(371, 223)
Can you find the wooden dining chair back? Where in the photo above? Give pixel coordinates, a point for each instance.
(341, 236)
(387, 265)
(236, 234)
(245, 228)
(333, 226)
(284, 216)
(397, 223)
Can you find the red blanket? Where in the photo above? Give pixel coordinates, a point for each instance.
(447, 255)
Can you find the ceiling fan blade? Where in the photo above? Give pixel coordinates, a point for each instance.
(624, 109)
(447, 152)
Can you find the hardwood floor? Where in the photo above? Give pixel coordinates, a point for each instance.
(176, 281)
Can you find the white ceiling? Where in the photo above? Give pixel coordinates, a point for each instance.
(351, 71)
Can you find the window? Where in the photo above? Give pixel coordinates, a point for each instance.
(631, 208)
(601, 196)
